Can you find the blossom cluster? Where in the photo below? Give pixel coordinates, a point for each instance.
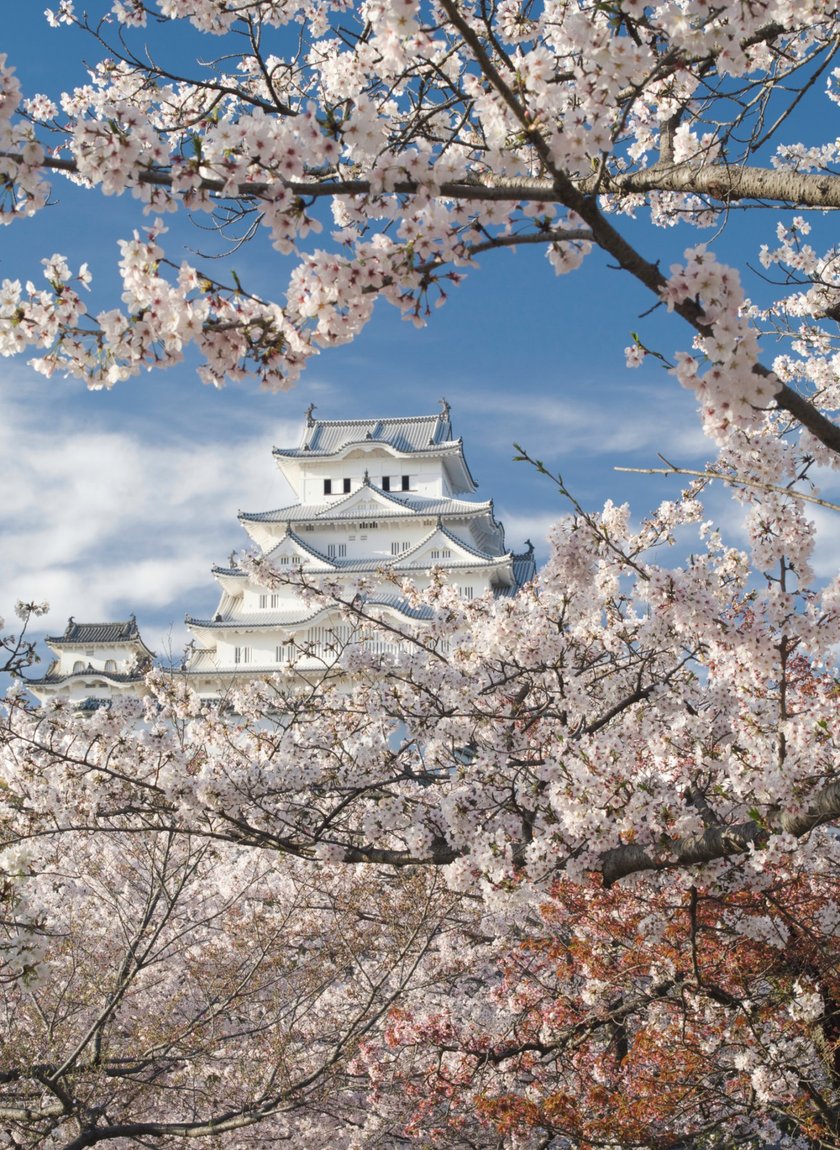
(733, 391)
(413, 123)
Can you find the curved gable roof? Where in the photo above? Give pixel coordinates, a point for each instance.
(403, 433)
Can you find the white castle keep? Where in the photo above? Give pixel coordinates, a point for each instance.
(378, 500)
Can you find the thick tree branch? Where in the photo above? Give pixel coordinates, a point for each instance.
(720, 842)
(726, 184)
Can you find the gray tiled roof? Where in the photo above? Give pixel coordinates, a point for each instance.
(398, 603)
(408, 435)
(97, 632)
(411, 433)
(460, 543)
(111, 676)
(265, 620)
(347, 509)
(409, 560)
(524, 568)
(406, 561)
(304, 546)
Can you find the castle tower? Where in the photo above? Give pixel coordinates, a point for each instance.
(377, 499)
(95, 662)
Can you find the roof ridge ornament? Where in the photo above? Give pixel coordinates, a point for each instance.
(310, 419)
(366, 480)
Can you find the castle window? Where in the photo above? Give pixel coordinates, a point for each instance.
(78, 666)
(386, 482)
(242, 655)
(328, 487)
(342, 550)
(263, 600)
(406, 480)
(346, 483)
(275, 600)
(110, 665)
(331, 550)
(399, 546)
(465, 592)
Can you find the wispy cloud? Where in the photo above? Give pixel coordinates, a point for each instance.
(519, 527)
(101, 521)
(612, 420)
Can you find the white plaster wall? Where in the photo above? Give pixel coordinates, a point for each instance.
(123, 655)
(425, 475)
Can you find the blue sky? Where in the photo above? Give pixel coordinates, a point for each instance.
(120, 501)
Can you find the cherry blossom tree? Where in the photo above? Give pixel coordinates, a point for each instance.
(16, 650)
(435, 132)
(564, 872)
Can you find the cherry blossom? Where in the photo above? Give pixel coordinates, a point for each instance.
(439, 134)
(561, 865)
(555, 870)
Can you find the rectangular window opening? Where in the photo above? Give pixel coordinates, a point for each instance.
(346, 483)
(328, 487)
(406, 483)
(386, 482)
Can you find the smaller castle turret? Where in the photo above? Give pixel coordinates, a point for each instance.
(95, 662)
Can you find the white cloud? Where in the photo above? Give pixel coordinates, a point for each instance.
(519, 527)
(100, 522)
(607, 420)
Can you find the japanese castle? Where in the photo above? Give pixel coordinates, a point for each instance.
(95, 661)
(379, 501)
